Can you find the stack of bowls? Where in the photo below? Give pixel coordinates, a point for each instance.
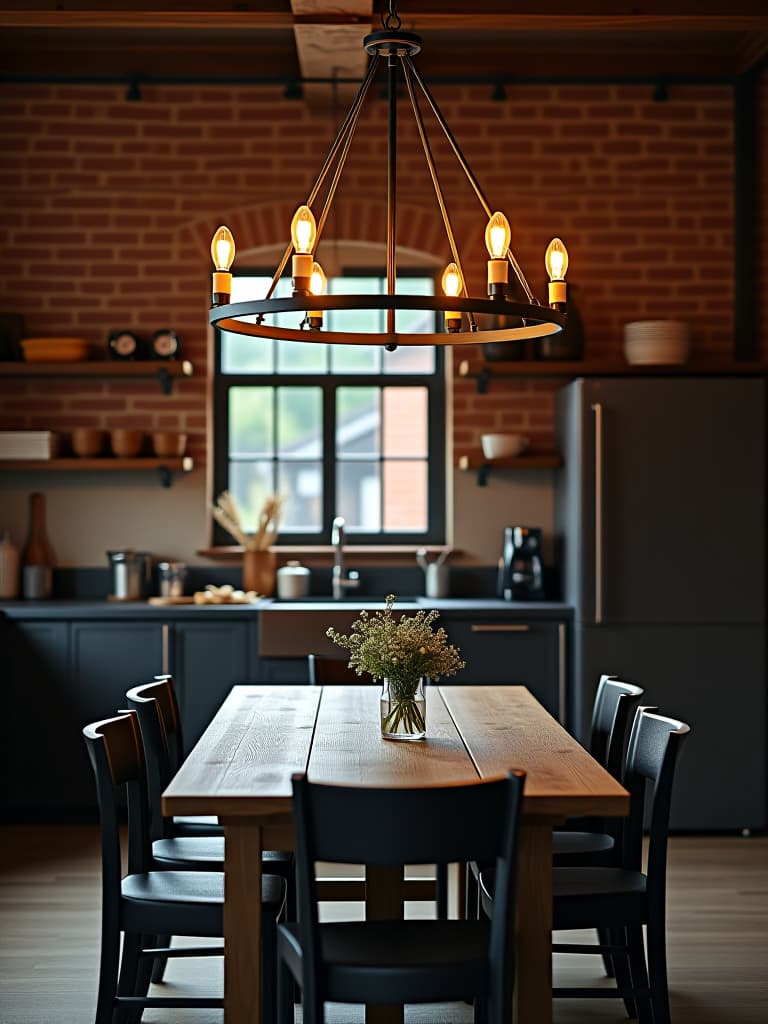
(656, 342)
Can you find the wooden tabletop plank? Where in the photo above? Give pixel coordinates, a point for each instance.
(259, 737)
(505, 727)
(349, 749)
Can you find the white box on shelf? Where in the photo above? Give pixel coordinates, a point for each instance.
(28, 444)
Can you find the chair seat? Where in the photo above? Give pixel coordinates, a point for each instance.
(578, 845)
(361, 958)
(185, 902)
(206, 853)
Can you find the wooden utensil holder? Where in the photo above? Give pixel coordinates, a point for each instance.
(259, 572)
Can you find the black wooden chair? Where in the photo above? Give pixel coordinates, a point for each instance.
(145, 903)
(334, 671)
(411, 961)
(619, 900)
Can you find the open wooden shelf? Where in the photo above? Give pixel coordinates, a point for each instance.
(163, 467)
(484, 372)
(531, 460)
(164, 370)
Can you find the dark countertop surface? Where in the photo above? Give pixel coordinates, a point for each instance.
(449, 607)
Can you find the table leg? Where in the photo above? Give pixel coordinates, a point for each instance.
(383, 902)
(533, 979)
(242, 922)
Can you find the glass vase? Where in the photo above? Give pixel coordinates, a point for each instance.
(403, 710)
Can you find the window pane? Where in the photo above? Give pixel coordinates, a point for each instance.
(358, 489)
(405, 422)
(301, 356)
(301, 485)
(246, 355)
(358, 426)
(410, 359)
(251, 422)
(355, 358)
(356, 321)
(405, 496)
(250, 483)
(300, 423)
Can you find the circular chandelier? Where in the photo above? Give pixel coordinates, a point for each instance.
(503, 319)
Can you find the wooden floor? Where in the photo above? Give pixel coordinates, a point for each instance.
(49, 921)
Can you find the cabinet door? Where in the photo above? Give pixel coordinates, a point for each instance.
(714, 679)
(208, 658)
(108, 658)
(528, 653)
(42, 753)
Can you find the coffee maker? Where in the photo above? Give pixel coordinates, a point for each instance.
(520, 569)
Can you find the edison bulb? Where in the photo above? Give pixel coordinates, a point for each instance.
(222, 248)
(452, 286)
(222, 253)
(556, 261)
(317, 280)
(498, 236)
(303, 230)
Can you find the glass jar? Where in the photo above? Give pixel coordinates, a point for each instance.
(403, 710)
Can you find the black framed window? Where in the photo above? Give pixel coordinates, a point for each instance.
(347, 430)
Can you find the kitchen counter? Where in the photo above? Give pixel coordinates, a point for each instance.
(449, 606)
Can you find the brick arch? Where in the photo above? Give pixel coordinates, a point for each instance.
(354, 217)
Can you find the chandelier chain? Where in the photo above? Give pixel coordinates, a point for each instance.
(391, 20)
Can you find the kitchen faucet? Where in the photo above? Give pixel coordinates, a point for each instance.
(340, 582)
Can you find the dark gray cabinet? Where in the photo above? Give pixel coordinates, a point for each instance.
(513, 651)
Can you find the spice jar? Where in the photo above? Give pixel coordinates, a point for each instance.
(293, 581)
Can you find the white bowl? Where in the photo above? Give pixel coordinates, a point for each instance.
(658, 342)
(503, 446)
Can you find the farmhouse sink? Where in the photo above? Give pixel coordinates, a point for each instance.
(293, 629)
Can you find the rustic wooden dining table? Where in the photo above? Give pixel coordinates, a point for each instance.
(241, 771)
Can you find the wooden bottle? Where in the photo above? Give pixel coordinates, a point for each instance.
(37, 557)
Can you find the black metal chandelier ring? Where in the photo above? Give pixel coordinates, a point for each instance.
(538, 321)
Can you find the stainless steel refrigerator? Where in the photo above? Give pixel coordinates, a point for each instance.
(660, 513)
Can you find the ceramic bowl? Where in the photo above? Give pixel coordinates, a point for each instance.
(126, 443)
(87, 442)
(167, 444)
(503, 446)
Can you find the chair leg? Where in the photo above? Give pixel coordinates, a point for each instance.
(657, 969)
(637, 966)
(471, 896)
(129, 976)
(160, 962)
(441, 891)
(604, 940)
(285, 988)
(622, 972)
(268, 969)
(108, 968)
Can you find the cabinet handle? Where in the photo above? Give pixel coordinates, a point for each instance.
(597, 409)
(504, 627)
(165, 641)
(562, 703)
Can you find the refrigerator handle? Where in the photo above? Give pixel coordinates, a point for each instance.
(597, 409)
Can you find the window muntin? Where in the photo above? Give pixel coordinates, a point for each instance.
(340, 429)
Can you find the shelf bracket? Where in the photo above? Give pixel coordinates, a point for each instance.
(165, 476)
(165, 380)
(483, 379)
(482, 474)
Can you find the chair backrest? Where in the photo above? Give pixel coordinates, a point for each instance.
(158, 713)
(652, 752)
(365, 825)
(615, 702)
(117, 757)
(333, 671)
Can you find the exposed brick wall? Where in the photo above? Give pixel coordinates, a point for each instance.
(109, 207)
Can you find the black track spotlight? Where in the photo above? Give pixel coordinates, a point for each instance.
(660, 94)
(499, 93)
(133, 92)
